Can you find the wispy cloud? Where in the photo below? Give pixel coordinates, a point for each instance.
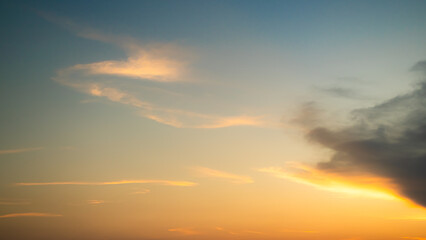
(355, 184)
(144, 181)
(243, 232)
(13, 202)
(29, 214)
(141, 66)
(19, 150)
(298, 231)
(307, 116)
(169, 116)
(142, 191)
(155, 62)
(208, 172)
(343, 92)
(186, 119)
(95, 202)
(221, 122)
(184, 231)
(221, 229)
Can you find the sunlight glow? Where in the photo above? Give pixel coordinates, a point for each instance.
(359, 185)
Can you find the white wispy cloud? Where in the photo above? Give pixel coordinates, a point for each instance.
(234, 178)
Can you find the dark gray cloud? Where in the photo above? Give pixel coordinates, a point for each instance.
(341, 92)
(419, 66)
(388, 140)
(308, 115)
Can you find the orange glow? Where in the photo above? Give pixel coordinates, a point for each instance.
(244, 232)
(234, 121)
(298, 231)
(208, 172)
(95, 202)
(138, 67)
(184, 231)
(359, 184)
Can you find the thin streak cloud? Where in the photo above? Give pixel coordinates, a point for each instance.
(161, 182)
(19, 150)
(14, 202)
(142, 191)
(208, 172)
(30, 214)
(298, 231)
(185, 119)
(184, 231)
(239, 233)
(357, 185)
(95, 202)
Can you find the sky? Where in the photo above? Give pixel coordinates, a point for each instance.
(207, 120)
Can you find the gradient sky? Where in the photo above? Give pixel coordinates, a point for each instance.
(207, 120)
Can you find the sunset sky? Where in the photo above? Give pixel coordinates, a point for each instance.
(213, 120)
